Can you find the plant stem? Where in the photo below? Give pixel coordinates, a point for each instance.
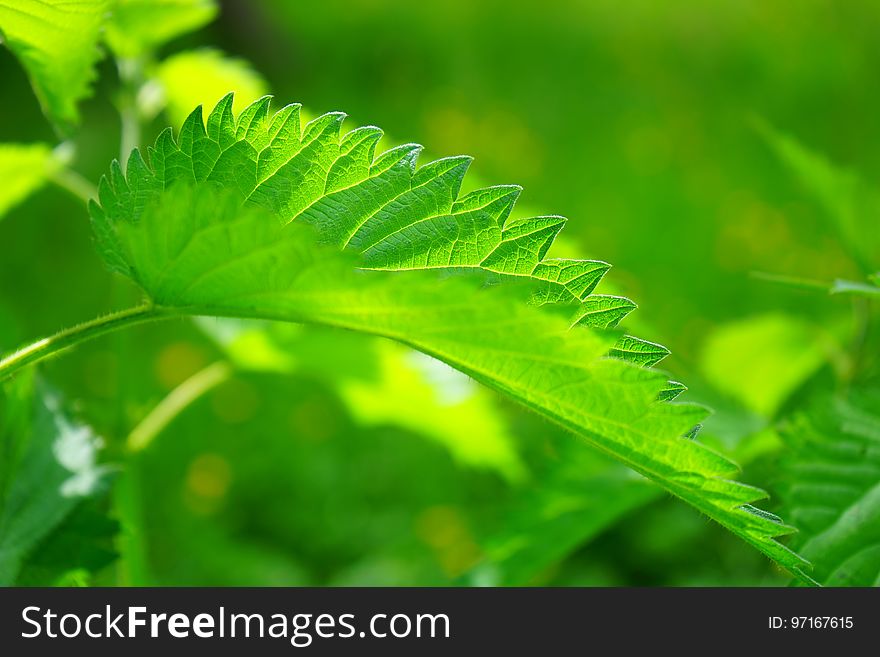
(50, 346)
(75, 183)
(131, 133)
(175, 402)
(793, 281)
(130, 75)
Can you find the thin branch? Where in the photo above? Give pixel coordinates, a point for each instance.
(75, 183)
(67, 338)
(175, 402)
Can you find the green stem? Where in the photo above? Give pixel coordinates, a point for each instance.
(50, 346)
(175, 402)
(793, 281)
(131, 133)
(130, 75)
(76, 184)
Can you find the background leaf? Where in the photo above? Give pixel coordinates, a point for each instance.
(24, 168)
(57, 43)
(50, 467)
(138, 27)
(830, 485)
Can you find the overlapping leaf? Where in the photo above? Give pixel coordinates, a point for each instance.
(57, 43)
(831, 488)
(24, 168)
(213, 225)
(138, 27)
(48, 467)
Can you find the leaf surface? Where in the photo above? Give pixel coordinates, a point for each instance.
(57, 43)
(214, 225)
(48, 467)
(137, 27)
(24, 168)
(831, 488)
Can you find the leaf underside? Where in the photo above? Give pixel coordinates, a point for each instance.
(213, 225)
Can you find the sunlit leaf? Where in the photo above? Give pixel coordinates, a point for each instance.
(205, 228)
(24, 168)
(49, 467)
(760, 361)
(137, 27)
(57, 43)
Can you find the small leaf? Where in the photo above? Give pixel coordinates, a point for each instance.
(24, 168)
(762, 360)
(57, 42)
(138, 27)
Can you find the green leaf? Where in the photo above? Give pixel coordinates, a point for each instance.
(81, 545)
(830, 486)
(203, 77)
(138, 27)
(49, 467)
(761, 361)
(850, 202)
(579, 498)
(24, 168)
(213, 225)
(57, 42)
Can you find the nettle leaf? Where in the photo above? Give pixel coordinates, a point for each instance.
(49, 467)
(137, 27)
(851, 203)
(830, 486)
(57, 43)
(215, 223)
(761, 361)
(24, 168)
(579, 497)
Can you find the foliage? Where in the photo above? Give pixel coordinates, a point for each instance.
(58, 44)
(370, 460)
(49, 468)
(194, 251)
(831, 485)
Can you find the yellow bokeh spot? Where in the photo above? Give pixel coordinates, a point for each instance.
(207, 482)
(177, 362)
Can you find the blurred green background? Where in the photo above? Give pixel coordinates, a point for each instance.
(638, 121)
